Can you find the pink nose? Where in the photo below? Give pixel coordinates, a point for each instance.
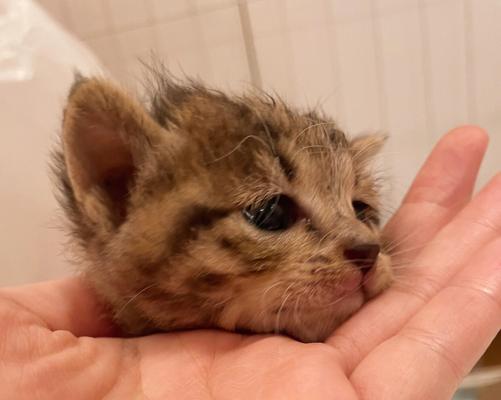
(363, 256)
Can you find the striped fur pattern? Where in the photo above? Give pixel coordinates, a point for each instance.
(154, 193)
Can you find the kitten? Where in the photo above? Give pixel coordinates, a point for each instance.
(206, 210)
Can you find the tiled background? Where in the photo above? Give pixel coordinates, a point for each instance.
(412, 68)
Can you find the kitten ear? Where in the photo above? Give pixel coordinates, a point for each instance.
(106, 136)
(365, 148)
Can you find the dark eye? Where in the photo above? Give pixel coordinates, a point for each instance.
(365, 212)
(275, 214)
(360, 209)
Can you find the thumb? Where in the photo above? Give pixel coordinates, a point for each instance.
(65, 304)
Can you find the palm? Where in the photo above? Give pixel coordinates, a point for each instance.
(227, 366)
(412, 327)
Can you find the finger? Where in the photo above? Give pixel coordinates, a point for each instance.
(442, 187)
(440, 344)
(477, 224)
(66, 304)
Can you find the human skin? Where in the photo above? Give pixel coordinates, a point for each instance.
(415, 341)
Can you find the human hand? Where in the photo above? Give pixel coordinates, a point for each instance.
(415, 341)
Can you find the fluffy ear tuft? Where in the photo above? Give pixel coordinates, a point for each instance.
(106, 136)
(365, 148)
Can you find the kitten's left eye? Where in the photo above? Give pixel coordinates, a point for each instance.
(365, 212)
(360, 208)
(275, 214)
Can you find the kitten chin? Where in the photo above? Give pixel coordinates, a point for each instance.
(308, 311)
(205, 210)
(306, 324)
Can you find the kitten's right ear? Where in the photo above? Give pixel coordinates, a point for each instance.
(106, 138)
(364, 148)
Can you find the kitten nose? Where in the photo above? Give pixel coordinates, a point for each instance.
(364, 256)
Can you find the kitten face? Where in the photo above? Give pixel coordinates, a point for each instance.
(212, 211)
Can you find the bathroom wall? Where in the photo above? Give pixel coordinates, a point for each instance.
(37, 62)
(411, 68)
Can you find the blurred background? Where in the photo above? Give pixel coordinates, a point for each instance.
(411, 68)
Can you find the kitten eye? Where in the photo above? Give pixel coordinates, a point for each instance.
(275, 214)
(360, 208)
(365, 212)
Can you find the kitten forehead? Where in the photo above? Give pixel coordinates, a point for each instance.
(251, 134)
(251, 148)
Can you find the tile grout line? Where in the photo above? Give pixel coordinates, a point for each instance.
(160, 21)
(378, 55)
(150, 9)
(424, 28)
(469, 62)
(250, 46)
(334, 58)
(111, 32)
(289, 55)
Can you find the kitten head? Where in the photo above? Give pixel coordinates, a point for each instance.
(215, 211)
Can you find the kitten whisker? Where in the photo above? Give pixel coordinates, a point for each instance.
(313, 146)
(339, 299)
(286, 297)
(222, 302)
(267, 290)
(403, 252)
(237, 147)
(134, 297)
(268, 133)
(393, 244)
(295, 314)
(305, 130)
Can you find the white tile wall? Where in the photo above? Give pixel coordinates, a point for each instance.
(405, 85)
(106, 48)
(358, 63)
(167, 10)
(412, 68)
(269, 24)
(129, 14)
(485, 73)
(443, 27)
(131, 49)
(225, 49)
(88, 18)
